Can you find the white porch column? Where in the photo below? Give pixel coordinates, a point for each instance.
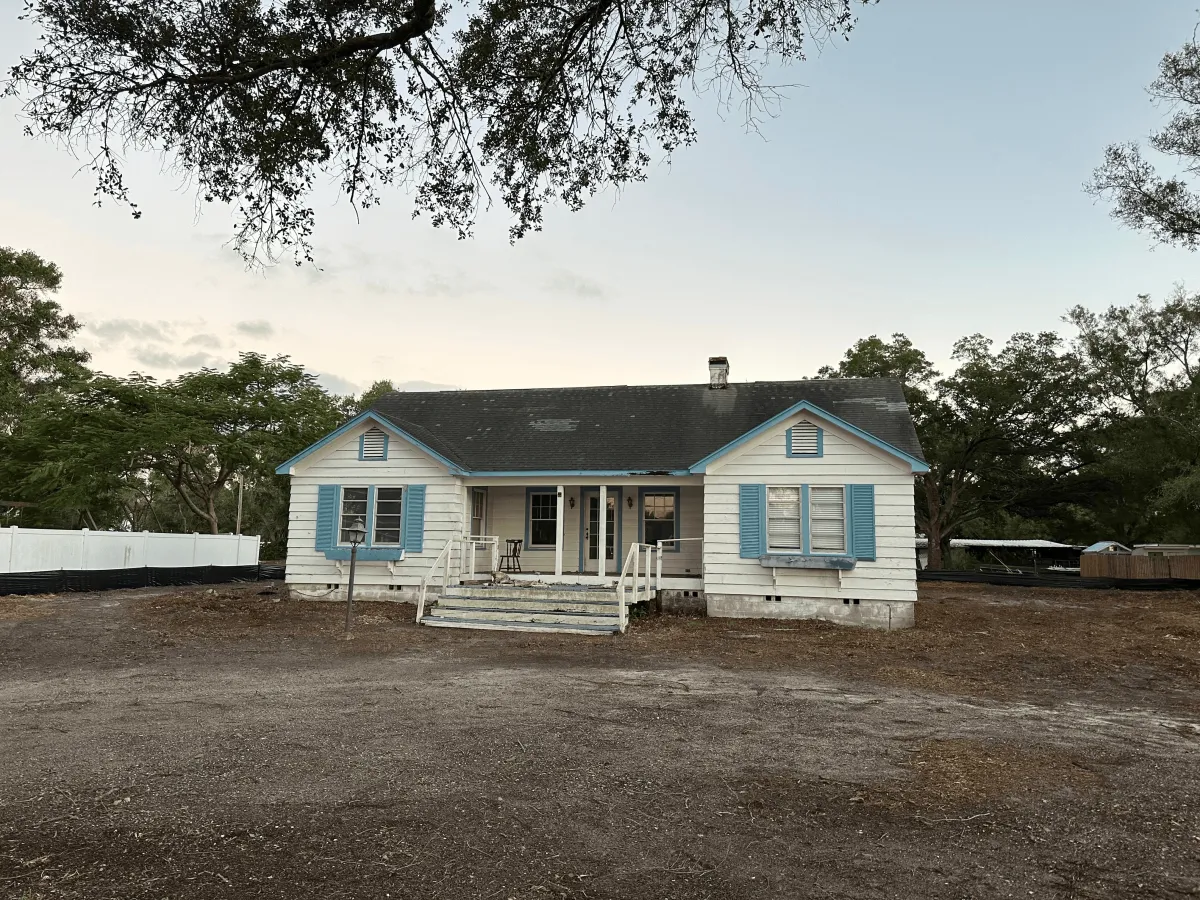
(558, 534)
(603, 543)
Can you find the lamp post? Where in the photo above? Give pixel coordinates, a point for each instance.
(358, 534)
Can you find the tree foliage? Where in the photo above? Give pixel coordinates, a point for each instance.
(259, 101)
(1166, 206)
(116, 441)
(34, 354)
(998, 433)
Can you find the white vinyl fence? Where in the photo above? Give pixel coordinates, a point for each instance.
(52, 549)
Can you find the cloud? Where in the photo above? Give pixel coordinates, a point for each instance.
(211, 341)
(565, 282)
(453, 283)
(164, 359)
(335, 384)
(425, 386)
(113, 330)
(258, 328)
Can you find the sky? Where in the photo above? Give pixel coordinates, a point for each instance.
(924, 177)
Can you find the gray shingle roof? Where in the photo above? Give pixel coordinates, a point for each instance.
(650, 428)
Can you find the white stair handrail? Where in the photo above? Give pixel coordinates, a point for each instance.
(639, 576)
(443, 559)
(622, 609)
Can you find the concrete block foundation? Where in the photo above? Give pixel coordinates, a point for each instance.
(888, 615)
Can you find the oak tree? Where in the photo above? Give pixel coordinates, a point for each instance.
(259, 101)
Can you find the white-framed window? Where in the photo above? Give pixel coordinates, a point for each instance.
(353, 508)
(660, 518)
(785, 520)
(827, 519)
(478, 511)
(389, 503)
(543, 518)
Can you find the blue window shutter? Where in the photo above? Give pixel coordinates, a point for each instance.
(860, 511)
(752, 520)
(412, 537)
(327, 500)
(370, 523)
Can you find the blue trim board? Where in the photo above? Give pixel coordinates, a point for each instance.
(369, 415)
(641, 511)
(366, 554)
(584, 493)
(816, 412)
(575, 473)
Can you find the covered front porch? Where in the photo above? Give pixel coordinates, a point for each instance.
(560, 529)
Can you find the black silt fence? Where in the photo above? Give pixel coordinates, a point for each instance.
(108, 579)
(1060, 581)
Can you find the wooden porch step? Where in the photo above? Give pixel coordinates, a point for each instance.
(514, 591)
(525, 604)
(508, 625)
(503, 614)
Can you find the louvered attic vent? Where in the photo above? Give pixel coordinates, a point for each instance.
(374, 445)
(804, 439)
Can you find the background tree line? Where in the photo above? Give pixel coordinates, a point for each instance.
(1081, 438)
(79, 448)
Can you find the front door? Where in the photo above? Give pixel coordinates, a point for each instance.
(591, 532)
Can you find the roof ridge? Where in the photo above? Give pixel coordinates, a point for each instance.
(608, 387)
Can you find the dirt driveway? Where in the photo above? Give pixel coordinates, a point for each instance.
(229, 743)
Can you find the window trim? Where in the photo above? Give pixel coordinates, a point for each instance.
(641, 506)
(802, 550)
(806, 523)
(337, 527)
(529, 494)
(791, 454)
(478, 492)
(373, 510)
(845, 551)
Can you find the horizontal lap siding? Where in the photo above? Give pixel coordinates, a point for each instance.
(340, 465)
(846, 460)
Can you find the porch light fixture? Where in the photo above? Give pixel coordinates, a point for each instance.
(357, 532)
(629, 500)
(571, 501)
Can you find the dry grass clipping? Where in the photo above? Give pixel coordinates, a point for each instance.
(23, 609)
(962, 773)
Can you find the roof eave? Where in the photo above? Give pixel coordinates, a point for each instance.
(918, 466)
(289, 467)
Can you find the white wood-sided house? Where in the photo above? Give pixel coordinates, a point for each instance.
(762, 499)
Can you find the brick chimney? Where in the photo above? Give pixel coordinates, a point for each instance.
(718, 373)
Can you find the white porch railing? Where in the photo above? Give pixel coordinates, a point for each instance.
(638, 563)
(467, 547)
(474, 543)
(658, 564)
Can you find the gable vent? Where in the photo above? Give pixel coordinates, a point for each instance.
(374, 445)
(805, 440)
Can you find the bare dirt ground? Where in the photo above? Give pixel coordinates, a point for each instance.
(229, 743)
